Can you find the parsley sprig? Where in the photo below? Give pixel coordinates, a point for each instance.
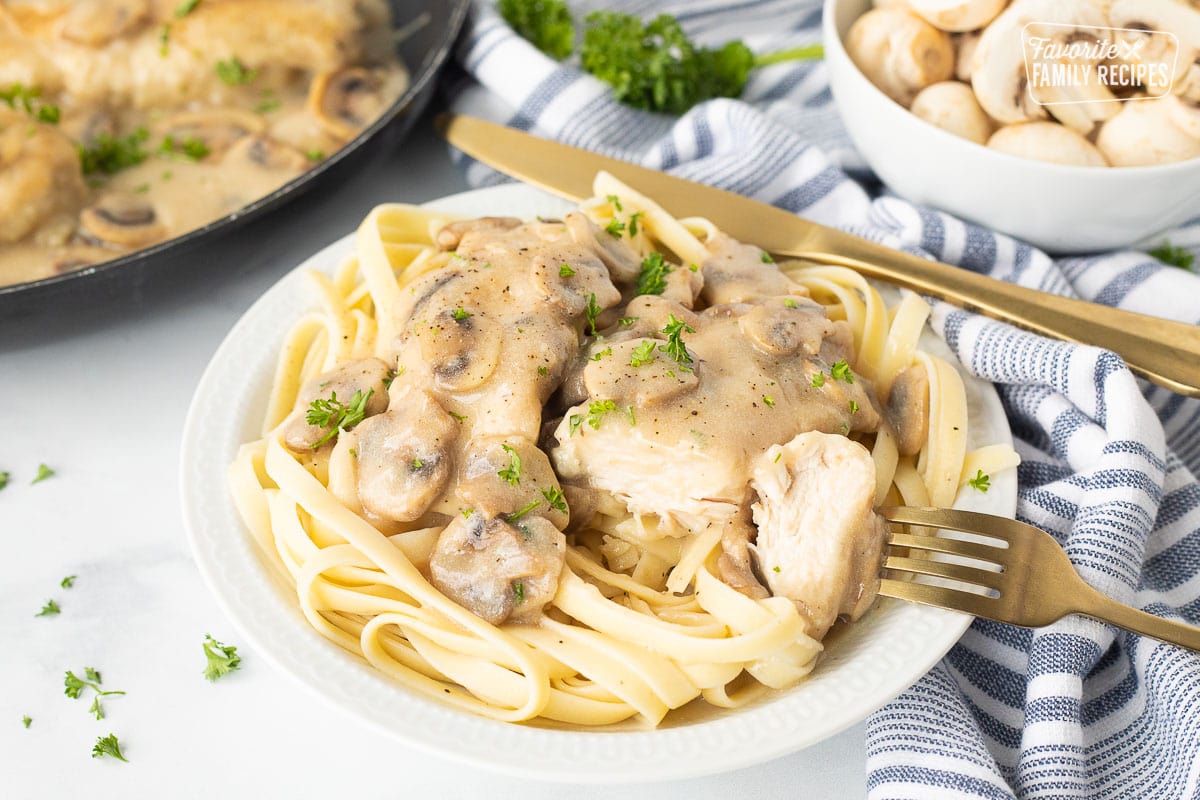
(1174, 256)
(335, 415)
(511, 473)
(222, 658)
(108, 746)
(675, 348)
(75, 685)
(234, 73)
(111, 154)
(652, 279)
(982, 481)
(547, 24)
(554, 496)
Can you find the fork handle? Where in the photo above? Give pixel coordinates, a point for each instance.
(1162, 351)
(1101, 607)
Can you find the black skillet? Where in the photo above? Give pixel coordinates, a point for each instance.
(429, 28)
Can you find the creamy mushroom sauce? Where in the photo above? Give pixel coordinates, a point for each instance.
(725, 400)
(235, 98)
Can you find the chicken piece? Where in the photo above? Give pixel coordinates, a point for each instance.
(340, 385)
(678, 439)
(501, 571)
(737, 273)
(450, 235)
(405, 457)
(819, 542)
(503, 476)
(41, 187)
(908, 409)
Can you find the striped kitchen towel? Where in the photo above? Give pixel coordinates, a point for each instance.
(1110, 464)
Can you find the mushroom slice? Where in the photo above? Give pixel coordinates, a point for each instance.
(499, 570)
(1047, 141)
(784, 325)
(404, 457)
(736, 273)
(736, 564)
(571, 277)
(460, 344)
(266, 153)
(637, 372)
(908, 409)
(97, 22)
(217, 128)
(503, 475)
(345, 101)
(819, 543)
(622, 262)
(1149, 132)
(340, 385)
(122, 220)
(450, 235)
(952, 106)
(900, 52)
(957, 15)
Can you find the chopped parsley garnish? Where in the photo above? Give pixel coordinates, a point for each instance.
(68, 582)
(766, 258)
(575, 421)
(853, 407)
(614, 227)
(644, 353)
(267, 106)
(522, 511)
(417, 464)
(819, 379)
(605, 352)
(626, 322)
(632, 416)
(614, 201)
(546, 24)
(222, 659)
(554, 496)
(596, 411)
(633, 223)
(841, 371)
(49, 609)
(111, 154)
(511, 473)
(185, 8)
(4, 476)
(543, 371)
(43, 473)
(982, 481)
(467, 512)
(335, 415)
(315, 155)
(164, 39)
(234, 73)
(191, 147)
(26, 720)
(108, 746)
(49, 114)
(776, 568)
(675, 348)
(778, 456)
(20, 97)
(1174, 256)
(769, 401)
(519, 592)
(653, 276)
(461, 313)
(458, 417)
(74, 686)
(656, 67)
(789, 303)
(592, 311)
(565, 271)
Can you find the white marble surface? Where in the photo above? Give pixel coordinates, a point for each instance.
(100, 395)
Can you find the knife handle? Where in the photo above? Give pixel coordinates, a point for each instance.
(1160, 350)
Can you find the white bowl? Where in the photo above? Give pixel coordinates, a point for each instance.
(1056, 207)
(864, 665)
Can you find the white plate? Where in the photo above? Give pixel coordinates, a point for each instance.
(864, 665)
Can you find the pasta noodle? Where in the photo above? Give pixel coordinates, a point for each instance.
(642, 620)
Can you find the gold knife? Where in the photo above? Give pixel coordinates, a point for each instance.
(1163, 351)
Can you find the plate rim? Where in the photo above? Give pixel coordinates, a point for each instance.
(687, 751)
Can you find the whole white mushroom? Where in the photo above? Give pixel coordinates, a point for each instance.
(1151, 131)
(958, 15)
(952, 107)
(1047, 141)
(899, 52)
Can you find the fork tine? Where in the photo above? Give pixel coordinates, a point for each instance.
(975, 604)
(943, 569)
(958, 547)
(953, 520)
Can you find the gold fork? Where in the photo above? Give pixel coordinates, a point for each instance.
(1035, 585)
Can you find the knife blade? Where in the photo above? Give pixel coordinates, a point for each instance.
(1163, 351)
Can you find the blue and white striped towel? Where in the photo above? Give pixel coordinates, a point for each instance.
(1110, 463)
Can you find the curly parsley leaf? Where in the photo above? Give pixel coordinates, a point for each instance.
(335, 416)
(982, 481)
(546, 24)
(108, 746)
(222, 658)
(234, 73)
(511, 473)
(596, 411)
(644, 353)
(554, 496)
(1174, 256)
(49, 609)
(4, 477)
(111, 154)
(841, 371)
(652, 279)
(675, 348)
(592, 311)
(26, 720)
(68, 582)
(43, 473)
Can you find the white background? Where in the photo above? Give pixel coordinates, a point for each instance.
(99, 393)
